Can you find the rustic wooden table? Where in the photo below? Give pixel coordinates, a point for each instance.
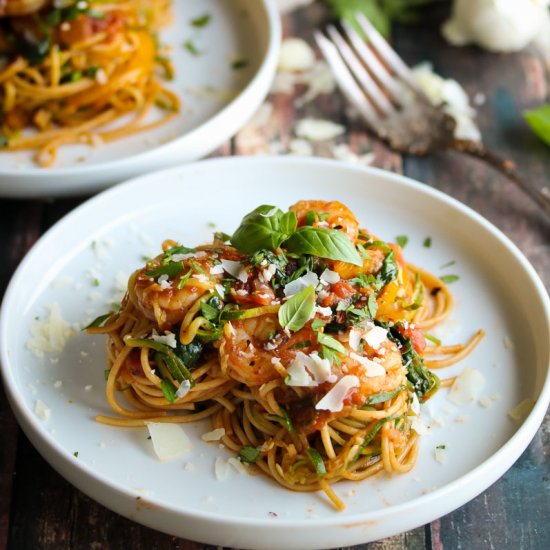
(39, 509)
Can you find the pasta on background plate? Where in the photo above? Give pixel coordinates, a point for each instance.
(301, 337)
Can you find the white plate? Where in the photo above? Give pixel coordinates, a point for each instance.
(216, 102)
(498, 290)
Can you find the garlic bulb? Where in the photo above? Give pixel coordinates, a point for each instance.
(496, 25)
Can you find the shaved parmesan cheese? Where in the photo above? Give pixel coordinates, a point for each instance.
(220, 290)
(418, 425)
(295, 55)
(221, 468)
(237, 464)
(214, 435)
(334, 400)
(169, 440)
(330, 277)
(299, 376)
(375, 337)
(299, 284)
(50, 335)
(372, 368)
(466, 387)
(440, 454)
(415, 404)
(317, 129)
(521, 411)
(324, 311)
(183, 389)
(168, 338)
(355, 338)
(41, 410)
(216, 269)
(235, 269)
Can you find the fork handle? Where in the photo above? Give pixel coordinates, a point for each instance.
(506, 167)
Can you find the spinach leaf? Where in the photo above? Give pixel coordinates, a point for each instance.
(169, 390)
(324, 243)
(539, 120)
(424, 382)
(297, 311)
(249, 454)
(388, 271)
(266, 227)
(189, 353)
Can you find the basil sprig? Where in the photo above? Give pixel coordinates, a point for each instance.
(297, 311)
(267, 227)
(324, 243)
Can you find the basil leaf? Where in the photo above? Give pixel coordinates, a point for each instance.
(323, 243)
(449, 278)
(98, 322)
(539, 120)
(381, 397)
(372, 306)
(209, 312)
(297, 311)
(317, 461)
(402, 240)
(266, 227)
(249, 454)
(171, 269)
(189, 353)
(427, 242)
(180, 249)
(388, 271)
(331, 343)
(169, 390)
(371, 435)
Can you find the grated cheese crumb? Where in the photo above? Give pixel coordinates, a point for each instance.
(42, 411)
(50, 335)
(318, 129)
(221, 468)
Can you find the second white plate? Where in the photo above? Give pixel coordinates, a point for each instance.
(217, 100)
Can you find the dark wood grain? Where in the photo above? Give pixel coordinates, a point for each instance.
(39, 509)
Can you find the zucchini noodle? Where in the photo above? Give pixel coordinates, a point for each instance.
(313, 364)
(87, 73)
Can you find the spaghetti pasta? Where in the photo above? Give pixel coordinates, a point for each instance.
(87, 72)
(302, 339)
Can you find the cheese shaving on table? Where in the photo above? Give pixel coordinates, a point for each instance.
(317, 129)
(466, 387)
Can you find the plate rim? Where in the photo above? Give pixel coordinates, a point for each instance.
(507, 454)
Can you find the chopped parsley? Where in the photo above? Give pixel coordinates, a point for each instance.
(191, 48)
(427, 242)
(239, 63)
(402, 240)
(201, 21)
(449, 278)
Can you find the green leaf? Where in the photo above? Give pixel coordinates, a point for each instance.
(180, 249)
(402, 240)
(191, 48)
(331, 343)
(539, 120)
(317, 324)
(249, 454)
(239, 63)
(372, 306)
(381, 397)
(98, 321)
(347, 9)
(284, 420)
(323, 243)
(371, 435)
(209, 312)
(448, 264)
(297, 311)
(317, 461)
(427, 242)
(175, 365)
(266, 227)
(201, 21)
(171, 269)
(169, 390)
(432, 339)
(388, 271)
(449, 278)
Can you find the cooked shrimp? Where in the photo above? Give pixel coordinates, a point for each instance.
(165, 302)
(330, 214)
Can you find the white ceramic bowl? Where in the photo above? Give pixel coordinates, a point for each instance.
(216, 101)
(498, 290)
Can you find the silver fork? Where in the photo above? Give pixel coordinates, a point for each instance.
(382, 88)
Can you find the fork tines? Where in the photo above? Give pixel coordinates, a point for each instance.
(370, 74)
